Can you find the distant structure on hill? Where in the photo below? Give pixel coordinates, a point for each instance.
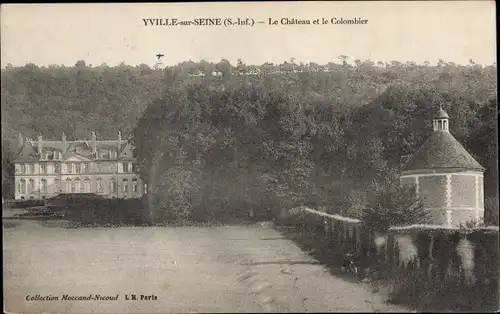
(159, 64)
(46, 168)
(447, 177)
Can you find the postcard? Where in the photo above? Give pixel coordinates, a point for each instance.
(227, 157)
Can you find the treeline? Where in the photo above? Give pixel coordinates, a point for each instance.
(267, 136)
(215, 147)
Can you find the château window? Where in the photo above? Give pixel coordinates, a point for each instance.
(126, 167)
(22, 186)
(82, 186)
(98, 167)
(31, 186)
(69, 167)
(100, 187)
(86, 181)
(125, 185)
(105, 167)
(68, 185)
(57, 185)
(78, 168)
(43, 168)
(22, 168)
(108, 154)
(57, 168)
(112, 186)
(73, 186)
(134, 185)
(43, 186)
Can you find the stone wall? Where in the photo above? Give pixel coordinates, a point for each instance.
(408, 181)
(433, 191)
(427, 263)
(463, 192)
(447, 260)
(455, 195)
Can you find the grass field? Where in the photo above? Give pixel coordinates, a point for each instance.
(219, 269)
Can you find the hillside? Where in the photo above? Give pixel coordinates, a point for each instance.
(352, 119)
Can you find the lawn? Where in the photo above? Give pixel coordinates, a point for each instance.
(249, 268)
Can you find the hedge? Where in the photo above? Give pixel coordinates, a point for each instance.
(108, 212)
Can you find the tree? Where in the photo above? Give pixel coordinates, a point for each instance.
(7, 170)
(391, 204)
(224, 67)
(241, 67)
(282, 139)
(491, 205)
(344, 59)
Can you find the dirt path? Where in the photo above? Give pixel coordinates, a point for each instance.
(223, 269)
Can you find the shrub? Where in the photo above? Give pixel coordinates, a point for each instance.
(23, 203)
(391, 204)
(108, 212)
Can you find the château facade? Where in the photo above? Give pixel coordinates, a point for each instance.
(44, 168)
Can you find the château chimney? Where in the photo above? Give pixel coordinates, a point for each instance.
(40, 146)
(94, 143)
(64, 142)
(119, 141)
(20, 141)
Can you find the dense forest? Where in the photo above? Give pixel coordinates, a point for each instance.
(222, 138)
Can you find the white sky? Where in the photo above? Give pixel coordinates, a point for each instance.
(113, 33)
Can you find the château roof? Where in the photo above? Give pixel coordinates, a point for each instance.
(442, 150)
(29, 149)
(27, 153)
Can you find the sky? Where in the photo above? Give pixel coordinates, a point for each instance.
(44, 34)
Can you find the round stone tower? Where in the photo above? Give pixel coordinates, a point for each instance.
(448, 179)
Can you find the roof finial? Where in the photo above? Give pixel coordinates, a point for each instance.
(440, 107)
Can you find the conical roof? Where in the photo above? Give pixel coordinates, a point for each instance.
(442, 150)
(441, 114)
